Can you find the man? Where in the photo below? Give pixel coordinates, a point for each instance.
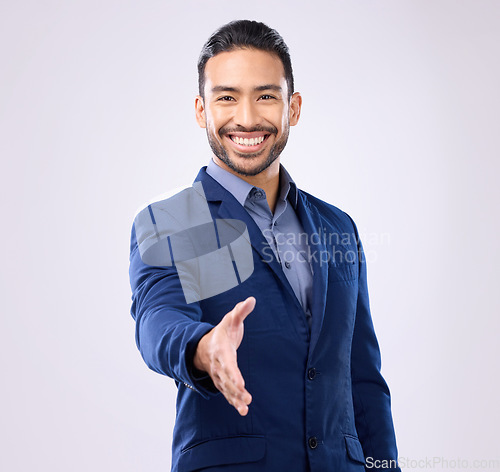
(279, 369)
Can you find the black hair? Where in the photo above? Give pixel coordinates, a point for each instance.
(245, 34)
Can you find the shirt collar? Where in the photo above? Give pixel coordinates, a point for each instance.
(240, 189)
(288, 187)
(232, 183)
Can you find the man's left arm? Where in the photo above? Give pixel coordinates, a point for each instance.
(371, 396)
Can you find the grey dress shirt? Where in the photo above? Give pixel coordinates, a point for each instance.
(283, 230)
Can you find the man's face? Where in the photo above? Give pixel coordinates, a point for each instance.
(245, 110)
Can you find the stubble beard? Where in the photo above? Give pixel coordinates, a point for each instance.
(220, 151)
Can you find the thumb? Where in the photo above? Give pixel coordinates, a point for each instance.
(242, 310)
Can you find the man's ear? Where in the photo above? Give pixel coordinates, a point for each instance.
(200, 112)
(295, 107)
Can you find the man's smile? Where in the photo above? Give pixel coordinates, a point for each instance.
(247, 142)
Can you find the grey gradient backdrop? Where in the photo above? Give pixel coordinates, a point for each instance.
(400, 128)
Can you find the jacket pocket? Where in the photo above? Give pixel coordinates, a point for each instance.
(222, 451)
(354, 449)
(342, 272)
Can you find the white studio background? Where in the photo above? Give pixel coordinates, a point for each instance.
(399, 128)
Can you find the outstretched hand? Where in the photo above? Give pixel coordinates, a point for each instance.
(216, 355)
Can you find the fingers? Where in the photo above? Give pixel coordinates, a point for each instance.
(229, 381)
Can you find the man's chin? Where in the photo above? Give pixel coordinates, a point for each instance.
(249, 157)
(250, 164)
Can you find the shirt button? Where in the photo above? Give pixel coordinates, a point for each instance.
(311, 373)
(258, 194)
(313, 442)
(288, 265)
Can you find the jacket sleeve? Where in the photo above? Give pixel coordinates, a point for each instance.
(371, 397)
(167, 328)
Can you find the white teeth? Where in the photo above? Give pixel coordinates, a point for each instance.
(247, 141)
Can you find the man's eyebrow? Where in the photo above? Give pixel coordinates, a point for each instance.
(274, 87)
(259, 88)
(224, 88)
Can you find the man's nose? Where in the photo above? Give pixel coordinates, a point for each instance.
(246, 114)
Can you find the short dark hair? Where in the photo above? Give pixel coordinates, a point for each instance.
(245, 34)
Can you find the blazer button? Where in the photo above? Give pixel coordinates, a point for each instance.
(311, 373)
(313, 442)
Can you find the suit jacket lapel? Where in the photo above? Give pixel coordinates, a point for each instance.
(312, 224)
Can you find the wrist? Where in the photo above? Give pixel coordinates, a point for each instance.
(199, 359)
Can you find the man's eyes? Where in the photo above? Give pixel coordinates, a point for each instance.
(228, 98)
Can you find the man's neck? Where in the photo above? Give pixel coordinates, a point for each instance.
(268, 180)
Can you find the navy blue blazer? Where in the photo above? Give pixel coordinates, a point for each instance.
(319, 402)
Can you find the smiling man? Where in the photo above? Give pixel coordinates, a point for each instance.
(281, 371)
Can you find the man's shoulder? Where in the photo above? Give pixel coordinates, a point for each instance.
(329, 212)
(162, 198)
